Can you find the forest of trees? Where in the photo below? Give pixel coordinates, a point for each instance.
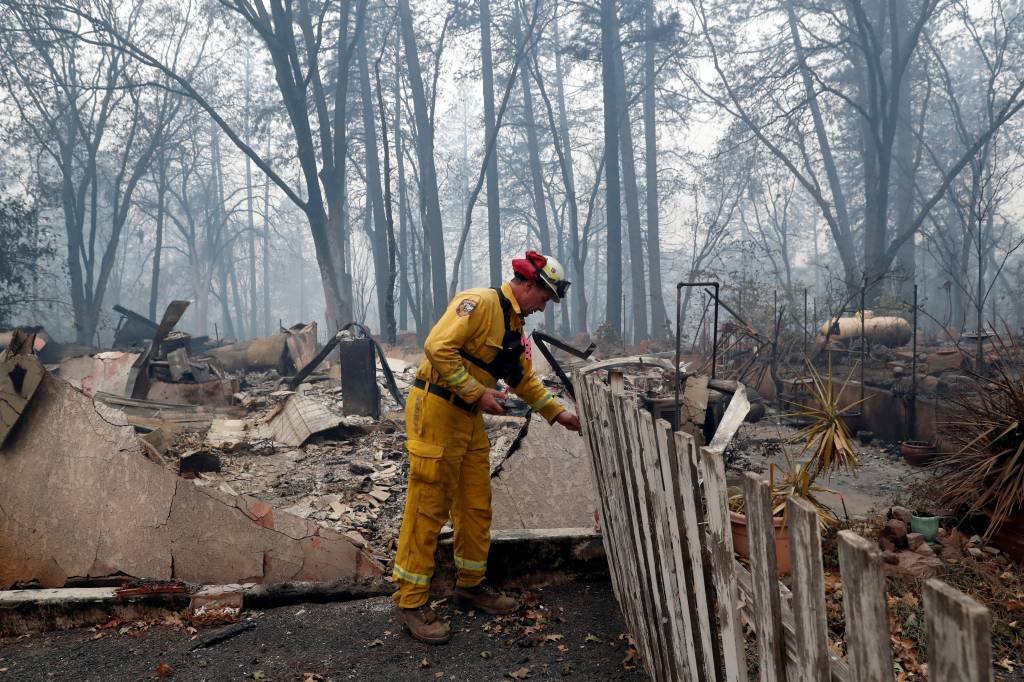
(277, 161)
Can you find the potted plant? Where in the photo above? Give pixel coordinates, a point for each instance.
(791, 481)
(917, 453)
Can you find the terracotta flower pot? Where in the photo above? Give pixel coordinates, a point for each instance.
(916, 452)
(741, 540)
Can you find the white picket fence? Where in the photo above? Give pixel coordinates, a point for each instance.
(682, 592)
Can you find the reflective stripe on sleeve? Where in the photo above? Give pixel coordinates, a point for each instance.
(542, 403)
(458, 377)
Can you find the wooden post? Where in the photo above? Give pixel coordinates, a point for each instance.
(867, 625)
(959, 635)
(808, 591)
(764, 569)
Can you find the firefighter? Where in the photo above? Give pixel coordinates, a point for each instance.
(477, 342)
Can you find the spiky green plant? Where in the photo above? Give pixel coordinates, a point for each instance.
(826, 437)
(986, 470)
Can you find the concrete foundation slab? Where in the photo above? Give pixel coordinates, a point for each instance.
(548, 482)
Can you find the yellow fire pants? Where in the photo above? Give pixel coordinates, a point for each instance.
(449, 475)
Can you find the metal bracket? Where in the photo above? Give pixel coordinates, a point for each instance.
(544, 339)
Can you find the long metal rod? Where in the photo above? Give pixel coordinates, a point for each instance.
(913, 375)
(714, 342)
(863, 348)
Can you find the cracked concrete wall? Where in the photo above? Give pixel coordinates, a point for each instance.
(80, 499)
(548, 482)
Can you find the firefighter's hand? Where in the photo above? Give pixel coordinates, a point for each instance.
(492, 401)
(568, 420)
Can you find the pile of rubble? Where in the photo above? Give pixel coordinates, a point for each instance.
(266, 427)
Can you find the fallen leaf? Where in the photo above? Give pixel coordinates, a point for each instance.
(485, 654)
(551, 637)
(592, 638)
(424, 663)
(164, 670)
(563, 647)
(312, 677)
(259, 676)
(520, 674)
(566, 669)
(438, 675)
(1006, 664)
(376, 642)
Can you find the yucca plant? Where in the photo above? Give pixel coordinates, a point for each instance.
(986, 470)
(826, 437)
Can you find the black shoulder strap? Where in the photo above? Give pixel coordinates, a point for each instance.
(506, 307)
(497, 367)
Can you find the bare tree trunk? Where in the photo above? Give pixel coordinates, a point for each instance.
(633, 236)
(533, 150)
(579, 292)
(374, 197)
(403, 240)
(432, 228)
(612, 96)
(658, 314)
(906, 266)
(250, 218)
(267, 322)
(493, 208)
(161, 197)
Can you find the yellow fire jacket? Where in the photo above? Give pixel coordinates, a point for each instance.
(474, 322)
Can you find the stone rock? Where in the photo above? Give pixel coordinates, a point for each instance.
(924, 549)
(975, 540)
(975, 552)
(914, 540)
(896, 529)
(989, 549)
(886, 544)
(361, 468)
(950, 549)
(901, 513)
(890, 557)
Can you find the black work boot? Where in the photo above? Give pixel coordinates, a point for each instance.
(423, 624)
(485, 598)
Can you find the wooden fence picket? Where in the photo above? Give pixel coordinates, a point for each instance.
(808, 601)
(959, 635)
(723, 566)
(764, 573)
(689, 508)
(867, 622)
(678, 630)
